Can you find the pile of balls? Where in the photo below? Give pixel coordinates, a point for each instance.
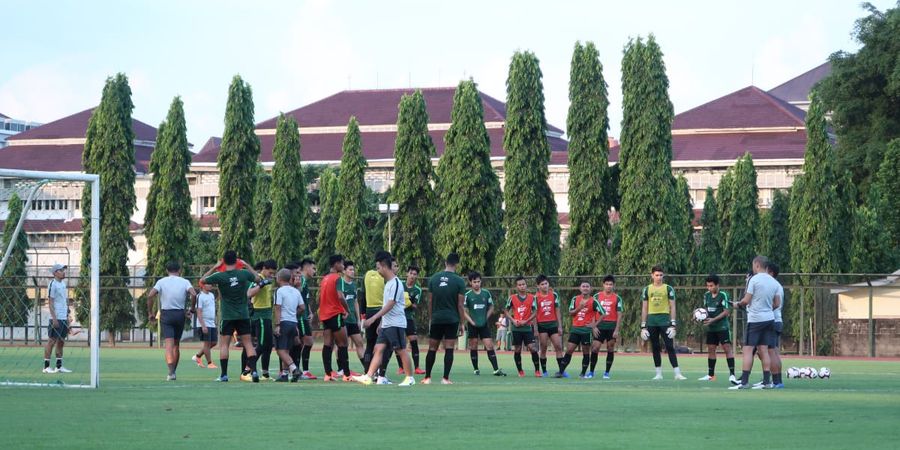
(808, 372)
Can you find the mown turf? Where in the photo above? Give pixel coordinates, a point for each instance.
(859, 407)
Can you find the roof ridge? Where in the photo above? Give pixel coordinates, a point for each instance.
(792, 79)
(24, 135)
(778, 104)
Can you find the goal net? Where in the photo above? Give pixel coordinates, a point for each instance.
(49, 312)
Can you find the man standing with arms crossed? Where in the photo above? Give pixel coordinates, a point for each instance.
(658, 320)
(608, 327)
(761, 301)
(520, 309)
(59, 319)
(446, 292)
(549, 322)
(174, 309)
(333, 313)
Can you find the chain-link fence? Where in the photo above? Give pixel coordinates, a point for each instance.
(824, 314)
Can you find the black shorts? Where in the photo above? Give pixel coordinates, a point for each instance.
(580, 338)
(759, 333)
(261, 329)
(605, 334)
(171, 323)
(393, 337)
(473, 332)
(305, 328)
(60, 332)
(289, 332)
(775, 342)
(522, 337)
(242, 326)
(210, 336)
(333, 323)
(549, 328)
(411, 326)
(353, 328)
(718, 337)
(443, 331)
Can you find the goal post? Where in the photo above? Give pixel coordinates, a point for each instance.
(38, 179)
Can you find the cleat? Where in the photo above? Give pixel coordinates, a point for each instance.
(266, 377)
(346, 378)
(246, 377)
(426, 380)
(49, 370)
(446, 381)
(477, 372)
(764, 386)
(558, 375)
(254, 377)
(340, 373)
(63, 370)
(739, 386)
(778, 386)
(363, 379)
(419, 371)
(521, 374)
(658, 377)
(707, 378)
(354, 374)
(679, 376)
(400, 371)
(222, 379)
(758, 385)
(335, 375)
(211, 366)
(283, 378)
(544, 374)
(591, 373)
(499, 373)
(733, 380)
(197, 360)
(295, 377)
(307, 376)
(605, 375)
(328, 378)
(407, 382)
(565, 374)
(589, 376)
(538, 374)
(384, 381)
(170, 377)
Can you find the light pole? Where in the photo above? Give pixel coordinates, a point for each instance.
(388, 208)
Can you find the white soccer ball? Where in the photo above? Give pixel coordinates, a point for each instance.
(813, 373)
(701, 314)
(793, 372)
(804, 372)
(824, 373)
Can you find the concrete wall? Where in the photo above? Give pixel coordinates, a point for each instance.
(852, 338)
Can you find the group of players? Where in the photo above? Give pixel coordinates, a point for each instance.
(267, 309)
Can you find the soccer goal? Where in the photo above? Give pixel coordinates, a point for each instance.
(41, 220)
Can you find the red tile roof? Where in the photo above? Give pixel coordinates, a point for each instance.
(731, 146)
(375, 145)
(59, 158)
(58, 226)
(749, 107)
(797, 89)
(75, 126)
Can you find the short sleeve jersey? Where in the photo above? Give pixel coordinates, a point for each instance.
(59, 299)
(415, 296)
(781, 306)
(348, 288)
(173, 291)
(521, 308)
(304, 292)
(329, 302)
(715, 304)
(584, 309)
(233, 285)
(763, 289)
(547, 306)
(477, 305)
(613, 305)
(262, 301)
(657, 298)
(395, 317)
(289, 299)
(206, 302)
(446, 288)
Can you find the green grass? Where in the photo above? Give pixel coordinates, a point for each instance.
(859, 407)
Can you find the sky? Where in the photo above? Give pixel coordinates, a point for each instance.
(56, 55)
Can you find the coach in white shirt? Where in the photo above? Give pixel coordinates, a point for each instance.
(174, 310)
(762, 299)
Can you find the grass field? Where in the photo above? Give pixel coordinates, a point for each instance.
(859, 407)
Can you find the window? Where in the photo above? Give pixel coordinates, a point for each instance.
(48, 204)
(208, 202)
(77, 204)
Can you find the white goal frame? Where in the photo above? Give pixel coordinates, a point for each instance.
(94, 332)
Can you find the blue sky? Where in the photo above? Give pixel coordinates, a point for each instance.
(57, 54)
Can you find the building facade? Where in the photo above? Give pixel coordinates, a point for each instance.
(11, 127)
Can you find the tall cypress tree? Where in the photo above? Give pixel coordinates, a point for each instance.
(237, 172)
(329, 208)
(646, 155)
(777, 243)
(529, 247)
(724, 195)
(290, 206)
(153, 194)
(14, 302)
(869, 251)
(683, 226)
(109, 152)
(469, 213)
(888, 196)
(740, 242)
(172, 223)
(587, 126)
(413, 226)
(263, 229)
(352, 237)
(709, 258)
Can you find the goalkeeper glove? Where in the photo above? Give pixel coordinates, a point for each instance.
(670, 332)
(265, 282)
(645, 334)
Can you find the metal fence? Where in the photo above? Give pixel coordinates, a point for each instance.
(812, 325)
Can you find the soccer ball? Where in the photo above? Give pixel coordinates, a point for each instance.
(804, 372)
(793, 372)
(813, 373)
(824, 373)
(701, 314)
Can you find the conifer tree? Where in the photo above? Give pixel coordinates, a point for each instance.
(14, 302)
(237, 172)
(263, 230)
(413, 225)
(153, 193)
(869, 251)
(724, 195)
(587, 127)
(777, 239)
(329, 208)
(469, 213)
(710, 252)
(290, 205)
(529, 247)
(888, 196)
(352, 237)
(740, 241)
(682, 224)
